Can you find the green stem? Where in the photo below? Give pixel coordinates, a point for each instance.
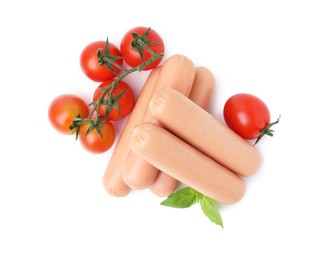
(140, 42)
(110, 88)
(113, 63)
(140, 67)
(267, 130)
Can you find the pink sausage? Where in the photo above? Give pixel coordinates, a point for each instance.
(112, 180)
(183, 162)
(201, 93)
(204, 132)
(178, 73)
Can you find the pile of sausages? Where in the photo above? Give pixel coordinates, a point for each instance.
(171, 138)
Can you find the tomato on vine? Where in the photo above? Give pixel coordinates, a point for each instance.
(97, 139)
(95, 60)
(248, 116)
(138, 45)
(113, 100)
(64, 109)
(121, 102)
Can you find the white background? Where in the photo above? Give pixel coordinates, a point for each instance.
(52, 204)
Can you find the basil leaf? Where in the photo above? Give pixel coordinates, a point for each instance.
(210, 209)
(183, 198)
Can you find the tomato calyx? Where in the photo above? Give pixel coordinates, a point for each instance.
(77, 122)
(107, 60)
(110, 102)
(267, 130)
(94, 124)
(141, 42)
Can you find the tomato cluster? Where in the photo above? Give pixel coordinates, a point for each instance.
(141, 48)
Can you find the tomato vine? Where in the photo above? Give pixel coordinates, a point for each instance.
(95, 120)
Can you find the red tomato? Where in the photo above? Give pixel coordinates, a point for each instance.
(64, 109)
(89, 61)
(93, 142)
(126, 101)
(246, 115)
(130, 52)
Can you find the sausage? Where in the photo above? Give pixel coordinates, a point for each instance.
(204, 132)
(112, 180)
(185, 163)
(201, 93)
(178, 72)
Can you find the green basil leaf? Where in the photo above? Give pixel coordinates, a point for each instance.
(183, 198)
(210, 209)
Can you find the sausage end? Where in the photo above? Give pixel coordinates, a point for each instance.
(116, 189)
(140, 137)
(159, 102)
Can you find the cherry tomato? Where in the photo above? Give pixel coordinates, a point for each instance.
(89, 61)
(131, 53)
(246, 115)
(93, 142)
(63, 109)
(125, 102)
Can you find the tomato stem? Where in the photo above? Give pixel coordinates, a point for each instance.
(106, 97)
(267, 130)
(108, 60)
(141, 42)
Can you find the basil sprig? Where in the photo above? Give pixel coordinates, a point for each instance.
(186, 197)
